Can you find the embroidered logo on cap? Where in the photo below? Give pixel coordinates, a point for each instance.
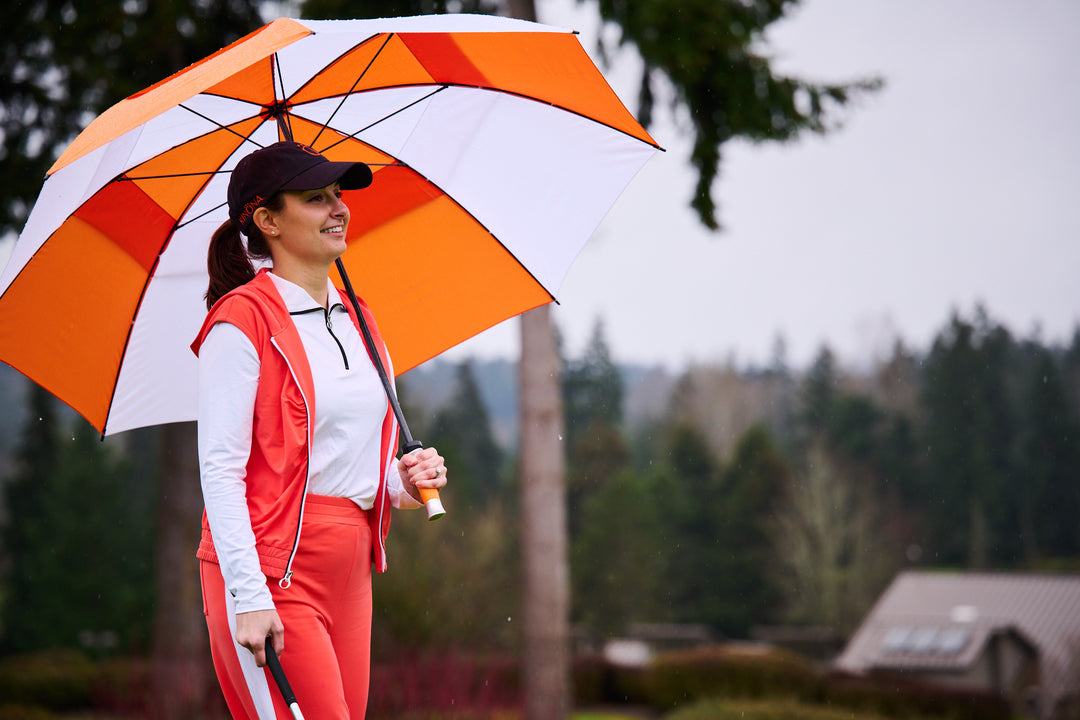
(249, 208)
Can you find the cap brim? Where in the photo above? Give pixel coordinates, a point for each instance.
(351, 176)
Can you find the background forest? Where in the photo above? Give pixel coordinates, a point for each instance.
(725, 497)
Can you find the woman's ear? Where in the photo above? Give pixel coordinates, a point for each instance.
(266, 222)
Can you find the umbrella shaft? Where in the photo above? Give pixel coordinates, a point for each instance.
(410, 443)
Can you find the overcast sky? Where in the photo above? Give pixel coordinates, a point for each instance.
(957, 184)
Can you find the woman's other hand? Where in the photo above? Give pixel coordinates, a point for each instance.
(422, 468)
(253, 627)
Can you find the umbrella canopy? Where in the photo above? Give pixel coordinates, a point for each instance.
(496, 144)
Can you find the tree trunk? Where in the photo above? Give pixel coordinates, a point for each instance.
(546, 601)
(183, 679)
(522, 9)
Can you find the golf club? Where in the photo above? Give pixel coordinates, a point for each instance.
(281, 680)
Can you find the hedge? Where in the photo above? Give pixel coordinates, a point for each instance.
(731, 671)
(763, 710)
(678, 679)
(59, 680)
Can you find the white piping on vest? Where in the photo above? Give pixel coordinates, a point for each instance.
(286, 580)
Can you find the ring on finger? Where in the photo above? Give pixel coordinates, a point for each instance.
(438, 471)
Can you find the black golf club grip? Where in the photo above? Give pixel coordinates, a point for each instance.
(278, 673)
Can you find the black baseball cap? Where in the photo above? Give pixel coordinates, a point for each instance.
(286, 166)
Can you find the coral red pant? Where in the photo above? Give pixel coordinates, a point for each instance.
(327, 617)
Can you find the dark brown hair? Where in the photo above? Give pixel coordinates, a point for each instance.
(228, 262)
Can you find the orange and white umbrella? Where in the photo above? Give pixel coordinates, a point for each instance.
(497, 148)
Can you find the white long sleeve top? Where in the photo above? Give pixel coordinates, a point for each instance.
(350, 404)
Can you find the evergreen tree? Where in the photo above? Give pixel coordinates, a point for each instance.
(1070, 374)
(690, 501)
(750, 484)
(854, 428)
(592, 389)
(595, 460)
(27, 493)
(818, 394)
(80, 547)
(1048, 460)
(592, 403)
(968, 435)
(619, 556)
(462, 433)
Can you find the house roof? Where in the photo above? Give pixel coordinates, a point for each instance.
(941, 620)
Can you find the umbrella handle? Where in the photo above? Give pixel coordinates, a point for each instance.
(430, 496)
(279, 678)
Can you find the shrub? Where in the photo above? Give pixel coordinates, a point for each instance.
(447, 685)
(729, 671)
(52, 680)
(762, 710)
(901, 697)
(592, 678)
(10, 711)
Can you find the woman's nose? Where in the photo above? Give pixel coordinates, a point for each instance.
(339, 208)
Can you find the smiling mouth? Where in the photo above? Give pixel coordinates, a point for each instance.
(335, 229)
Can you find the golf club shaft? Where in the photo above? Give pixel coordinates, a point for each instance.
(282, 682)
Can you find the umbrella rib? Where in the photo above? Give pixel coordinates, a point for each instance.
(200, 216)
(351, 89)
(126, 177)
(214, 122)
(501, 91)
(384, 118)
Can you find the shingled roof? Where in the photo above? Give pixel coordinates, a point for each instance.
(940, 621)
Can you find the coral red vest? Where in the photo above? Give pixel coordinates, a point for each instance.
(277, 469)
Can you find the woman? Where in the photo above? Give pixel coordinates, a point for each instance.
(296, 444)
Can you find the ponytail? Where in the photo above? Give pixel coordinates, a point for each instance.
(228, 262)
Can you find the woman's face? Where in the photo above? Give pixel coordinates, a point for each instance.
(311, 227)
